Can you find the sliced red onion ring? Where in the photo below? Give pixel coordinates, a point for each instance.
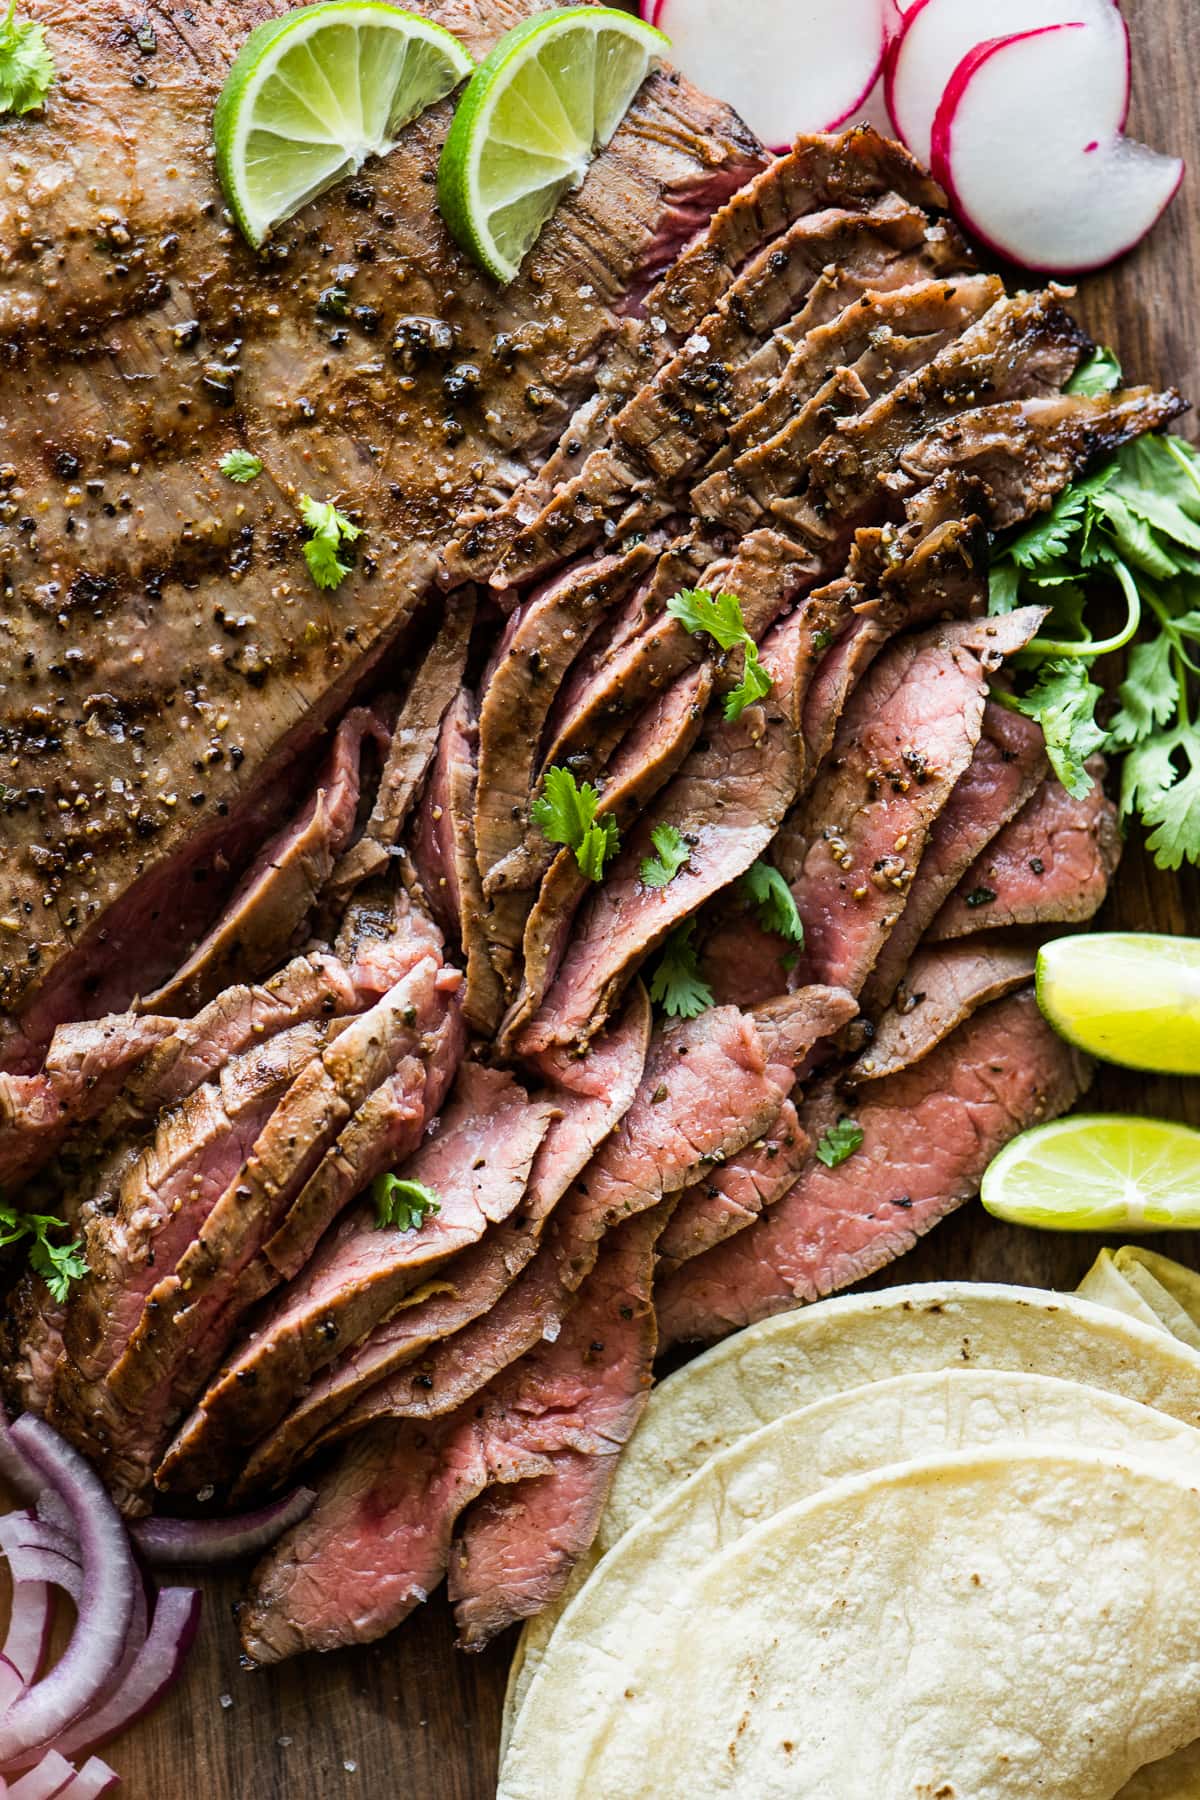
(31, 1563)
(93, 1779)
(105, 1608)
(31, 1533)
(152, 1672)
(11, 1684)
(14, 1468)
(172, 1543)
(50, 1776)
(28, 1630)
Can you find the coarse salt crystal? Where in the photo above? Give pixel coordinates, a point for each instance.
(226, 1700)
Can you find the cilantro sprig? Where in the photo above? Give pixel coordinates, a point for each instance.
(1133, 527)
(765, 889)
(839, 1142)
(26, 66)
(566, 814)
(328, 530)
(671, 855)
(241, 466)
(57, 1264)
(720, 618)
(677, 985)
(403, 1205)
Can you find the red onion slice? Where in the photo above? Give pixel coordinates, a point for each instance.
(29, 1563)
(51, 1776)
(95, 1778)
(15, 1471)
(28, 1630)
(11, 1684)
(152, 1672)
(106, 1600)
(172, 1543)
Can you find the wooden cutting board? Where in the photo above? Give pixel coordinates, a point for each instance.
(414, 1719)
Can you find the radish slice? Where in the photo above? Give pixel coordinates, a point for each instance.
(1020, 144)
(937, 34)
(174, 1543)
(805, 65)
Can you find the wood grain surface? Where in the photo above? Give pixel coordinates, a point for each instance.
(414, 1719)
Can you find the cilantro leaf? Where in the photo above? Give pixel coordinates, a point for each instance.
(1174, 814)
(1099, 373)
(677, 985)
(57, 1264)
(672, 855)
(403, 1204)
(1148, 694)
(765, 889)
(1050, 536)
(1063, 701)
(720, 618)
(26, 66)
(329, 529)
(839, 1142)
(241, 466)
(566, 814)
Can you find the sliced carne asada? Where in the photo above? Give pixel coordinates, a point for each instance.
(270, 909)
(443, 846)
(646, 759)
(591, 1094)
(727, 800)
(1007, 768)
(1051, 865)
(413, 743)
(477, 1166)
(193, 1308)
(684, 411)
(469, 382)
(928, 1135)
(732, 1196)
(378, 1540)
(942, 986)
(906, 737)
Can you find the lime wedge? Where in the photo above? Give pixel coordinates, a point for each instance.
(1098, 1172)
(315, 92)
(535, 112)
(1126, 996)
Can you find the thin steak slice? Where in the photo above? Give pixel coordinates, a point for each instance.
(378, 1540)
(942, 986)
(1050, 866)
(928, 1135)
(477, 1165)
(272, 905)
(443, 848)
(591, 1093)
(1007, 768)
(727, 799)
(647, 758)
(733, 1194)
(905, 740)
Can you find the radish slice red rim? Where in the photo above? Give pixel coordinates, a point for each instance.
(1026, 144)
(178, 1543)
(106, 1604)
(937, 34)
(806, 65)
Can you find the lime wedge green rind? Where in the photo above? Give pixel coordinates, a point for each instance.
(312, 94)
(550, 94)
(1098, 1172)
(1129, 997)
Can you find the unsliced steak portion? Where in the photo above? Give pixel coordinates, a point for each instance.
(647, 758)
(308, 1159)
(942, 986)
(592, 1094)
(477, 1165)
(155, 371)
(1006, 770)
(443, 846)
(727, 799)
(1051, 865)
(732, 1195)
(272, 905)
(414, 740)
(378, 1540)
(905, 740)
(928, 1135)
